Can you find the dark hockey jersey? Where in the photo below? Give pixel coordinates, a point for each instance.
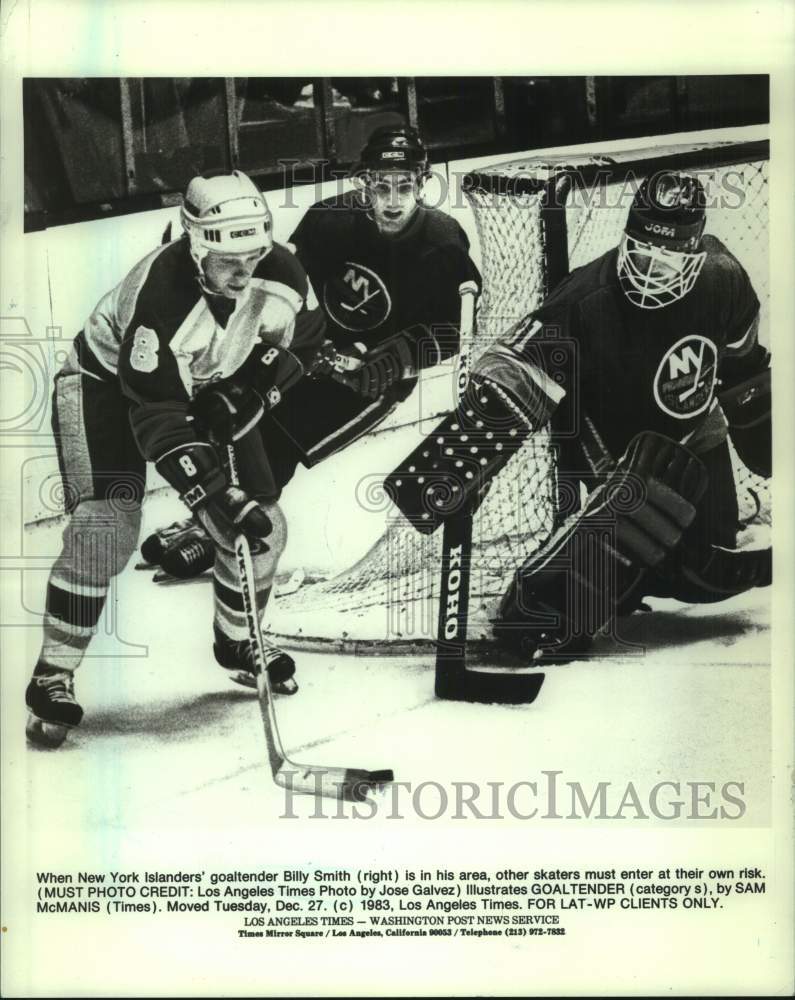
(372, 286)
(164, 337)
(629, 369)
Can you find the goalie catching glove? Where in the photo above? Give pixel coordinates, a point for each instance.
(568, 591)
(196, 473)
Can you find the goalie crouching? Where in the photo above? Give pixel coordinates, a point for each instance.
(643, 362)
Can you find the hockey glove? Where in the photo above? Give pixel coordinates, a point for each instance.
(572, 587)
(233, 511)
(376, 376)
(225, 411)
(196, 473)
(389, 362)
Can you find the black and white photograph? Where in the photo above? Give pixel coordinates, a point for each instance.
(389, 517)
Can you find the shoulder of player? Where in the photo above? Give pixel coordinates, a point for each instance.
(441, 231)
(595, 278)
(282, 267)
(161, 289)
(719, 258)
(339, 209)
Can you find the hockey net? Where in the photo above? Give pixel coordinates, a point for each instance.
(536, 220)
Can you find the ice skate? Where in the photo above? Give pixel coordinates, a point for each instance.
(236, 658)
(50, 696)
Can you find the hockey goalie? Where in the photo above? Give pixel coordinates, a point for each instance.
(642, 363)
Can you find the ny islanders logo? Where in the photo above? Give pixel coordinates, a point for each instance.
(685, 377)
(357, 300)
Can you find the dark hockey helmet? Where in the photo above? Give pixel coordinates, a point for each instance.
(394, 148)
(659, 258)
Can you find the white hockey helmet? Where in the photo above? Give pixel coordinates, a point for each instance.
(226, 214)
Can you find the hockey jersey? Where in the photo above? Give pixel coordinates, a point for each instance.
(163, 336)
(373, 286)
(595, 355)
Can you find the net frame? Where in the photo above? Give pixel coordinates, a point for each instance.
(387, 601)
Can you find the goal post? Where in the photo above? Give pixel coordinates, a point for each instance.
(537, 218)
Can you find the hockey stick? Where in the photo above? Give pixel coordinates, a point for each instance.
(454, 681)
(348, 783)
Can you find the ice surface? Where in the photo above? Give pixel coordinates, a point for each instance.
(169, 743)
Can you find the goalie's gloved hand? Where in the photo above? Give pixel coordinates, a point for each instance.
(225, 411)
(234, 511)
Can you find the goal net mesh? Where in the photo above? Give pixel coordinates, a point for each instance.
(389, 598)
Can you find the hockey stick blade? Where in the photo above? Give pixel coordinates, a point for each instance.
(488, 688)
(351, 784)
(454, 680)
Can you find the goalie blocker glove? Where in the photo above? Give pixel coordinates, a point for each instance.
(451, 469)
(510, 394)
(572, 588)
(196, 473)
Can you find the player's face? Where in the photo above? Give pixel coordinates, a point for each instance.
(653, 277)
(394, 200)
(230, 274)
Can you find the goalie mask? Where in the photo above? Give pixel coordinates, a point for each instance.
(226, 214)
(659, 259)
(391, 172)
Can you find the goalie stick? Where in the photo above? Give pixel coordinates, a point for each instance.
(454, 680)
(348, 783)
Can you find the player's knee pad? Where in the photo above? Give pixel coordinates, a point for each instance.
(569, 590)
(99, 539)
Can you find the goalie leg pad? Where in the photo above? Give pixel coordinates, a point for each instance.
(567, 592)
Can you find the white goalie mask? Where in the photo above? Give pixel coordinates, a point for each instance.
(226, 214)
(658, 258)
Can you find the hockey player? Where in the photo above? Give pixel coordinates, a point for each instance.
(387, 270)
(643, 361)
(163, 372)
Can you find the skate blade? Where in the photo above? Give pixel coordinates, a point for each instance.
(246, 679)
(46, 734)
(242, 677)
